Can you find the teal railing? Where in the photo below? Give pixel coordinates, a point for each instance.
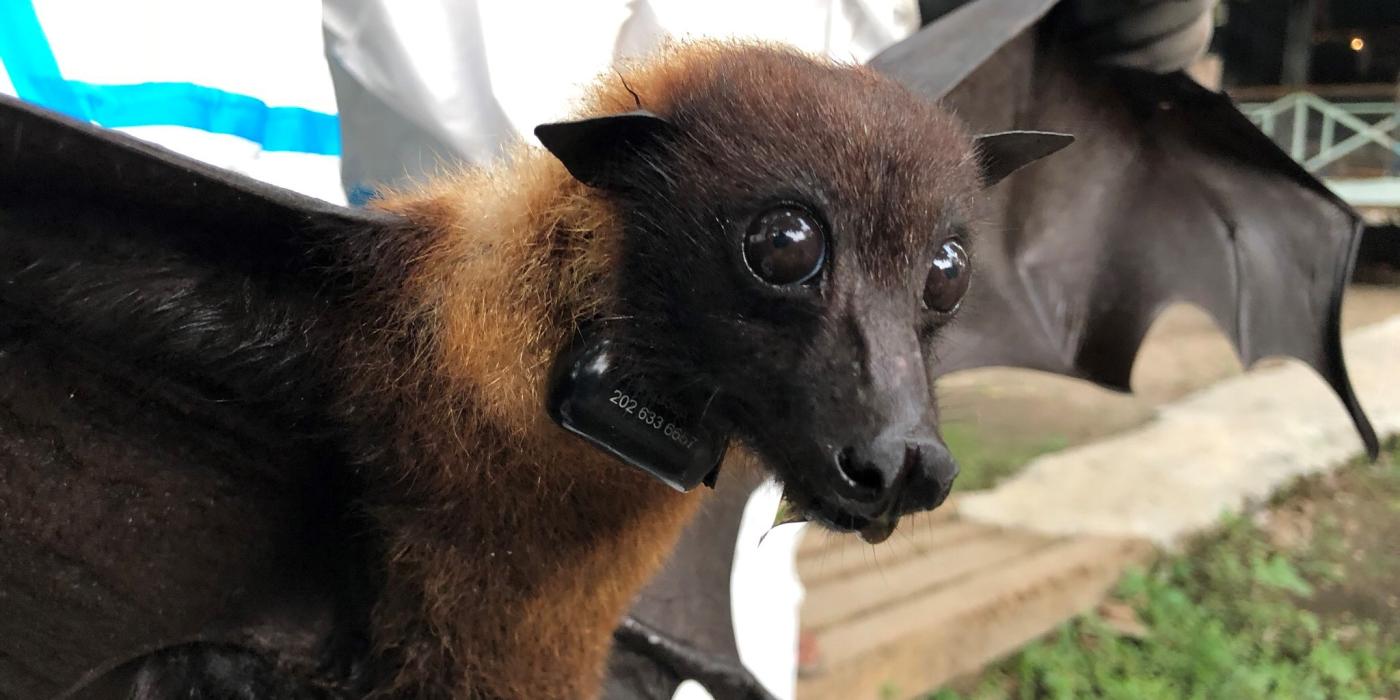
(1353, 146)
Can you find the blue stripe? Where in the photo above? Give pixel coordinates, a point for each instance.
(212, 110)
(25, 52)
(34, 72)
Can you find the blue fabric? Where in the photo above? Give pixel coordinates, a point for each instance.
(24, 49)
(25, 52)
(212, 110)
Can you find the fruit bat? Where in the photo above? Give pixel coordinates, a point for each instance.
(260, 446)
(415, 427)
(1084, 260)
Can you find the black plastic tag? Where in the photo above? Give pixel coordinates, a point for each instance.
(672, 437)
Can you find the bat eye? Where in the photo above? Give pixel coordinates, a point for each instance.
(785, 245)
(949, 278)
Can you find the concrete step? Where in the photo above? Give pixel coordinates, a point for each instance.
(930, 618)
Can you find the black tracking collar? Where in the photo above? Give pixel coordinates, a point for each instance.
(596, 394)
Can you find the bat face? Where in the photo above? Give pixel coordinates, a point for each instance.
(795, 239)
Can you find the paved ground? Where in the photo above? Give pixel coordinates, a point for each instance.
(940, 600)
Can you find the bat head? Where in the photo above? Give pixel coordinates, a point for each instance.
(796, 235)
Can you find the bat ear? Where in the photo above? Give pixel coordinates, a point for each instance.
(591, 148)
(1004, 153)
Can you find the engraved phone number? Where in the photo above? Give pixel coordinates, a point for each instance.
(652, 419)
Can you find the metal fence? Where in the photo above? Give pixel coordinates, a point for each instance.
(1354, 146)
(1333, 138)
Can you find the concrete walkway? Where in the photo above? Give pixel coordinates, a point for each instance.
(1213, 452)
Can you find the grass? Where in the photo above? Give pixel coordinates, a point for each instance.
(985, 462)
(1300, 602)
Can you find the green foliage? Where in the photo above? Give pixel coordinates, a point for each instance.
(1234, 616)
(1277, 572)
(984, 462)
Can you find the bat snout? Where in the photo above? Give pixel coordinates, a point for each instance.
(892, 475)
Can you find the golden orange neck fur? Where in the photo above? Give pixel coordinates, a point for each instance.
(512, 548)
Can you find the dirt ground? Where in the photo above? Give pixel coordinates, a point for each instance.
(1000, 417)
(1297, 600)
(1355, 513)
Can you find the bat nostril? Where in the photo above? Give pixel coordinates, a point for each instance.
(866, 478)
(930, 471)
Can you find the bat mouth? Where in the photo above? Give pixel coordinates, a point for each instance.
(849, 506)
(853, 495)
(872, 529)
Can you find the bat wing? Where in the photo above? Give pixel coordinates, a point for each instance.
(940, 56)
(163, 478)
(1169, 194)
